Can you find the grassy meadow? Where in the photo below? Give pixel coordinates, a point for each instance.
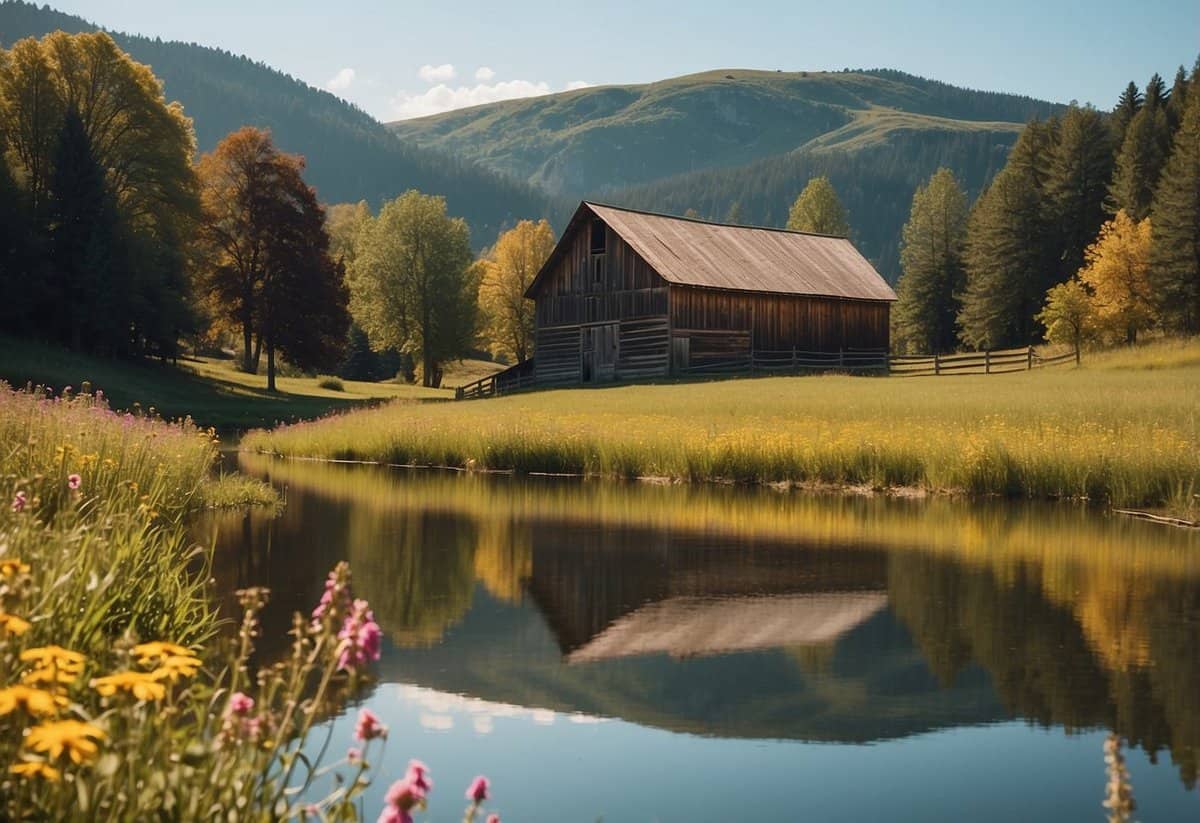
(212, 391)
(1123, 430)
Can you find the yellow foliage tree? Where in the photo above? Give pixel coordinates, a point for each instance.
(1069, 316)
(1117, 273)
(508, 270)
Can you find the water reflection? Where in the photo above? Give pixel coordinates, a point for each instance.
(744, 614)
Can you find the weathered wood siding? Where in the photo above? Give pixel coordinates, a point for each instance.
(780, 322)
(596, 324)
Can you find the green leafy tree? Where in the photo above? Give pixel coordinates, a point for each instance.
(1069, 316)
(411, 288)
(932, 262)
(1175, 218)
(818, 210)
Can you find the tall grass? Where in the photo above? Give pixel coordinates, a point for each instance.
(1117, 435)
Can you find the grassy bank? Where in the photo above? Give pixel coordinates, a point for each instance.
(1112, 432)
(211, 391)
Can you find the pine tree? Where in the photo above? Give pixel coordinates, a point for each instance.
(818, 210)
(734, 215)
(1077, 184)
(1128, 105)
(1157, 93)
(1139, 163)
(1178, 101)
(932, 261)
(1175, 220)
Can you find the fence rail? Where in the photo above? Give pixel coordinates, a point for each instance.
(1004, 361)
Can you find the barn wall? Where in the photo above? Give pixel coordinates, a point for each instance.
(597, 328)
(776, 322)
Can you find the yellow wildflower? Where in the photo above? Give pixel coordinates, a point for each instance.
(54, 656)
(11, 624)
(11, 567)
(176, 666)
(145, 652)
(36, 768)
(141, 685)
(50, 674)
(75, 738)
(35, 701)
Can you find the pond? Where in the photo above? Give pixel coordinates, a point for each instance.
(632, 652)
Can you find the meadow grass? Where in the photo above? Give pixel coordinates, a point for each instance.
(1108, 432)
(212, 391)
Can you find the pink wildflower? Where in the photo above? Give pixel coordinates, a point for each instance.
(19, 502)
(368, 726)
(391, 814)
(478, 790)
(240, 704)
(493, 818)
(418, 774)
(403, 796)
(360, 636)
(74, 481)
(354, 755)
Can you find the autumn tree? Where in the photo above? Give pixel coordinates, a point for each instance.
(1117, 274)
(1069, 315)
(1175, 253)
(269, 267)
(931, 258)
(818, 210)
(411, 286)
(508, 270)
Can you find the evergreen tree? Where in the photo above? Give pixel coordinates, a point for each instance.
(734, 215)
(1077, 185)
(1175, 221)
(931, 258)
(1128, 105)
(1178, 102)
(1157, 93)
(1139, 163)
(93, 305)
(818, 210)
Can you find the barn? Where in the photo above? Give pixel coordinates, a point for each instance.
(629, 295)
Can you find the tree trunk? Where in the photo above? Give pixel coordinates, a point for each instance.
(270, 366)
(257, 360)
(427, 368)
(247, 341)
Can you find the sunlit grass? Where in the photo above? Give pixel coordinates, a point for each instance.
(1111, 433)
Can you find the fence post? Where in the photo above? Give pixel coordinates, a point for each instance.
(1029, 355)
(937, 364)
(841, 358)
(987, 361)
(458, 392)
(793, 358)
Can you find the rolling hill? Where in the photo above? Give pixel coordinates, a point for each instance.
(350, 155)
(602, 139)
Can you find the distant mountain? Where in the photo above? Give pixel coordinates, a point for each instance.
(601, 139)
(350, 155)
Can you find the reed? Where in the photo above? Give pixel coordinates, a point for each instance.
(1109, 433)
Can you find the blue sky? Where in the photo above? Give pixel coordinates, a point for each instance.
(402, 59)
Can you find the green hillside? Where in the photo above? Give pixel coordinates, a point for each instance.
(596, 140)
(350, 155)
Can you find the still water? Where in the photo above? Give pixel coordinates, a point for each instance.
(629, 652)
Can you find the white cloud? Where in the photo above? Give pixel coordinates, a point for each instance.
(442, 98)
(437, 74)
(484, 74)
(579, 84)
(341, 81)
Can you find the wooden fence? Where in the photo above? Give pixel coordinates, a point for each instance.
(1004, 361)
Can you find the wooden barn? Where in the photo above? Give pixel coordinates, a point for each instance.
(630, 295)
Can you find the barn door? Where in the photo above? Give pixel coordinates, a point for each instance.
(598, 353)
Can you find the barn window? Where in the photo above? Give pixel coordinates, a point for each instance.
(598, 264)
(599, 237)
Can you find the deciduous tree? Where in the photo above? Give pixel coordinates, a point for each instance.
(932, 261)
(1069, 315)
(1117, 273)
(508, 270)
(818, 210)
(411, 287)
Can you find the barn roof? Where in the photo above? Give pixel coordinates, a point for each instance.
(697, 253)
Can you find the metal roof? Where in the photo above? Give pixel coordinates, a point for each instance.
(697, 253)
